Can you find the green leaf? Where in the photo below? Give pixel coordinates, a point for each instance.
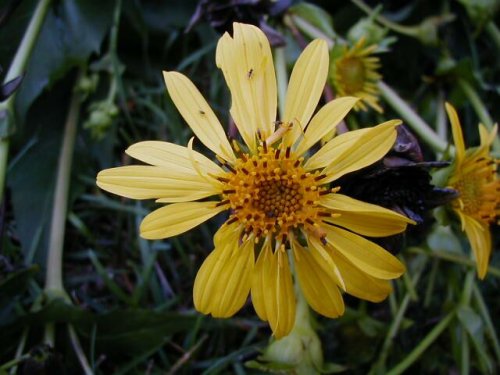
(316, 16)
(72, 31)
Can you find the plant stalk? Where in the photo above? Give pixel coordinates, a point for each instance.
(53, 280)
(16, 69)
(427, 134)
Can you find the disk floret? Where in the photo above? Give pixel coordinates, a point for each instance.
(270, 192)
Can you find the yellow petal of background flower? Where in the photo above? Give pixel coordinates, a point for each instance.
(305, 88)
(325, 121)
(177, 218)
(198, 114)
(368, 149)
(480, 240)
(365, 255)
(146, 182)
(456, 129)
(317, 282)
(273, 296)
(364, 218)
(337, 145)
(360, 284)
(247, 64)
(171, 156)
(223, 282)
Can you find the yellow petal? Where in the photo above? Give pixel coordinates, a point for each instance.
(365, 255)
(305, 88)
(247, 64)
(360, 284)
(223, 282)
(317, 282)
(325, 121)
(171, 156)
(272, 291)
(337, 145)
(146, 182)
(198, 114)
(480, 240)
(368, 149)
(364, 218)
(456, 129)
(322, 255)
(177, 218)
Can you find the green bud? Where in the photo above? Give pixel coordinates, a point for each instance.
(87, 84)
(369, 30)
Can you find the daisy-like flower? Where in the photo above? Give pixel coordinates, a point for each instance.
(354, 72)
(474, 177)
(279, 200)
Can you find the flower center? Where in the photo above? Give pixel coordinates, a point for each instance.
(271, 193)
(479, 191)
(351, 74)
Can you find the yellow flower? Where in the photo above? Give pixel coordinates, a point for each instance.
(353, 72)
(475, 178)
(279, 201)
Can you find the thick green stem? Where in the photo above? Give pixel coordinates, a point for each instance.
(427, 134)
(17, 68)
(424, 344)
(53, 280)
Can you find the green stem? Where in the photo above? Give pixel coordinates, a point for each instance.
(397, 320)
(310, 30)
(492, 29)
(53, 280)
(405, 30)
(424, 344)
(16, 69)
(20, 349)
(451, 257)
(427, 134)
(281, 78)
(465, 301)
(78, 351)
(491, 330)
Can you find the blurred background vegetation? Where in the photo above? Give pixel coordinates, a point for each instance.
(92, 85)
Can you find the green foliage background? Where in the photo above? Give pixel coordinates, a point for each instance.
(130, 300)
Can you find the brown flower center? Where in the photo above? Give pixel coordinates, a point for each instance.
(271, 193)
